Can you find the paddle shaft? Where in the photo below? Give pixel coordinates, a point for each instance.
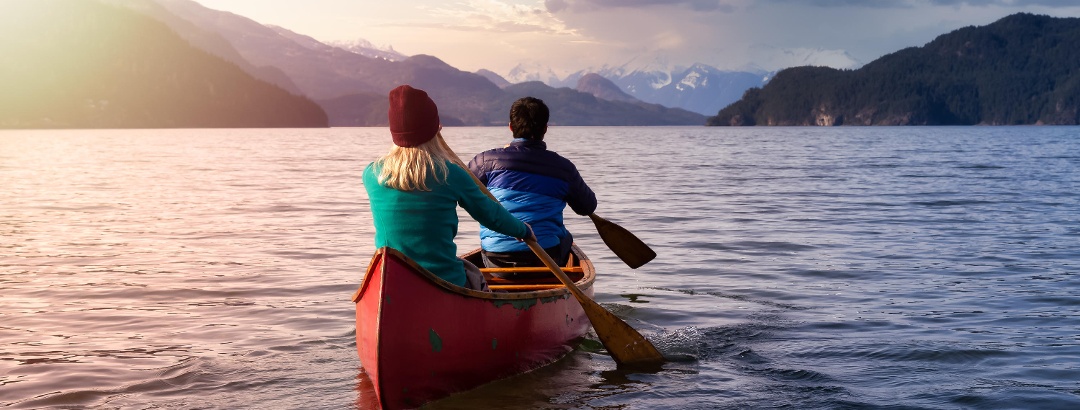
(626, 345)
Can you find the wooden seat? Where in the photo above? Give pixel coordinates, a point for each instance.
(525, 288)
(538, 278)
(536, 281)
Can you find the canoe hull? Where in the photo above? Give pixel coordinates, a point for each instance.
(420, 338)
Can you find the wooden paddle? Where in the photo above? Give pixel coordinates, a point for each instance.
(626, 345)
(626, 246)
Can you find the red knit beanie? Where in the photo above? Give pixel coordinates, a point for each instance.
(414, 118)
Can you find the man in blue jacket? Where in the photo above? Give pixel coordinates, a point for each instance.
(534, 184)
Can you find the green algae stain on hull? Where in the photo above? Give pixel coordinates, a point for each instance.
(552, 299)
(519, 304)
(435, 340)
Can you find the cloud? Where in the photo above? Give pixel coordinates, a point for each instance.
(908, 4)
(568, 35)
(557, 6)
(876, 4)
(498, 16)
(1006, 3)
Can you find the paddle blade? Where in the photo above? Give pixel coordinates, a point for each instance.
(626, 246)
(624, 343)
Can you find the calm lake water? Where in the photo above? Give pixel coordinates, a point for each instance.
(802, 268)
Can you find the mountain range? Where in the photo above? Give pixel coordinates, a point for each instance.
(698, 88)
(1021, 69)
(175, 63)
(351, 81)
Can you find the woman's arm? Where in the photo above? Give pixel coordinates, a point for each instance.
(488, 212)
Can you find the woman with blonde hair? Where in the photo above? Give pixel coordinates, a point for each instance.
(414, 191)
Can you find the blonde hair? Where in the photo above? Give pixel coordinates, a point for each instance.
(407, 168)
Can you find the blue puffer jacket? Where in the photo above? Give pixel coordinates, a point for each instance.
(535, 185)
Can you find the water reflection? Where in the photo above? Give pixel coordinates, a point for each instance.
(574, 381)
(626, 378)
(366, 399)
(635, 297)
(831, 268)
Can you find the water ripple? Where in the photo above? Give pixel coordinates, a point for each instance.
(809, 268)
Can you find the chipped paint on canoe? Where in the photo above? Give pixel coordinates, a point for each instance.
(494, 343)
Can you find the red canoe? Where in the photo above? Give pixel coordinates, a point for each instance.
(421, 338)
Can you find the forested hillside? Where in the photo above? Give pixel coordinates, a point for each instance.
(83, 64)
(1022, 69)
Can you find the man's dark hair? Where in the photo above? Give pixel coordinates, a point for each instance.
(529, 118)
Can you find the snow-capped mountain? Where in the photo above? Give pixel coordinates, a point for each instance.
(367, 49)
(699, 88)
(603, 88)
(534, 71)
(798, 57)
(360, 46)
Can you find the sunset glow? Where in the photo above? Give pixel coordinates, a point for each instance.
(569, 35)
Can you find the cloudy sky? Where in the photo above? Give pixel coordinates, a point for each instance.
(569, 35)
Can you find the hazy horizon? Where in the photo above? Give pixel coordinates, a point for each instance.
(570, 35)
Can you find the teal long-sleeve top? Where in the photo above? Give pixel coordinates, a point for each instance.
(423, 224)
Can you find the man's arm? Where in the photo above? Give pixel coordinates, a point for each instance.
(580, 198)
(476, 166)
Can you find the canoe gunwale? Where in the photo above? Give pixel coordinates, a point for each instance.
(584, 283)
